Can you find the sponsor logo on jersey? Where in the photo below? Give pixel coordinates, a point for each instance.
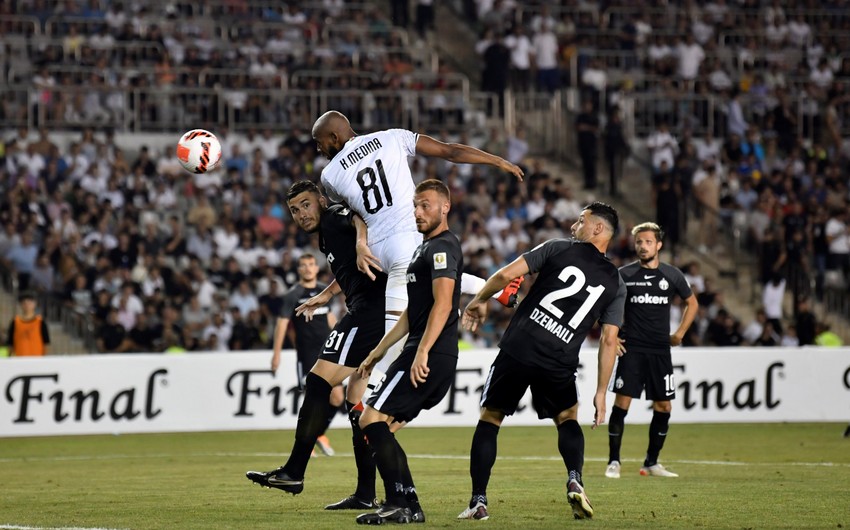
(663, 284)
(330, 258)
(649, 299)
(648, 277)
(440, 261)
(411, 278)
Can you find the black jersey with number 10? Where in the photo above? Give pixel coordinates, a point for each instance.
(576, 286)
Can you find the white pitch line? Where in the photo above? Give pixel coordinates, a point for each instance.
(84, 458)
(17, 527)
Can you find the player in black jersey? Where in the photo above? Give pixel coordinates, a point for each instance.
(424, 371)
(310, 334)
(576, 285)
(648, 365)
(354, 336)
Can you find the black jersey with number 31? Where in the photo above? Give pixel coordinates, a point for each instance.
(576, 286)
(438, 257)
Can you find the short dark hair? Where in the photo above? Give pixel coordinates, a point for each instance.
(300, 187)
(649, 226)
(606, 212)
(26, 295)
(434, 185)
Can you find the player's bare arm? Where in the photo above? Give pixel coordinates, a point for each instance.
(366, 261)
(691, 309)
(310, 306)
(279, 333)
(608, 345)
(442, 289)
(395, 334)
(464, 154)
(476, 310)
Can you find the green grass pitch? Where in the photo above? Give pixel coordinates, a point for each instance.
(732, 476)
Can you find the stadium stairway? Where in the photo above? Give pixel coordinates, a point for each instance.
(61, 342)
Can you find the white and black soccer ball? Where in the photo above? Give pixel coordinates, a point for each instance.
(199, 151)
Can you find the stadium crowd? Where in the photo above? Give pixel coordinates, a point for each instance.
(742, 105)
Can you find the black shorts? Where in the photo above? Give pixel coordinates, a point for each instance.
(396, 396)
(353, 337)
(638, 371)
(552, 392)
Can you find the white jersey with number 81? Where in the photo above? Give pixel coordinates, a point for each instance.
(371, 175)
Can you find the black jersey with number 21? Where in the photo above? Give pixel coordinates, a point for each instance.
(576, 286)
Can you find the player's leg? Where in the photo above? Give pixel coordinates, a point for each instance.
(337, 398)
(387, 455)
(555, 395)
(363, 497)
(505, 385)
(628, 383)
(661, 389)
(362, 332)
(312, 420)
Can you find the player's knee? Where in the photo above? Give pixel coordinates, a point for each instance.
(662, 406)
(492, 416)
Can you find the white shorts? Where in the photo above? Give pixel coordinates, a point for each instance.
(395, 253)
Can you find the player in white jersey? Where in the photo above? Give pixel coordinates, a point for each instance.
(370, 174)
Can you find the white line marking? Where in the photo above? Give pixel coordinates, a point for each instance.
(84, 458)
(17, 527)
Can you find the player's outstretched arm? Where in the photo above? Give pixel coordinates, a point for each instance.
(279, 333)
(464, 154)
(310, 306)
(608, 346)
(395, 334)
(691, 309)
(476, 310)
(365, 259)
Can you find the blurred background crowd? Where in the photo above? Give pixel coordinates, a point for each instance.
(732, 114)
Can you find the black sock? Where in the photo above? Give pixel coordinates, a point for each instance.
(616, 425)
(362, 456)
(332, 412)
(385, 452)
(406, 478)
(312, 419)
(571, 446)
(657, 434)
(482, 456)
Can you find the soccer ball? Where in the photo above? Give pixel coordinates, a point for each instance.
(199, 151)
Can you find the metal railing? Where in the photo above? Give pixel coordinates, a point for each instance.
(173, 109)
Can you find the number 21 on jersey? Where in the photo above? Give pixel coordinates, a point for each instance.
(578, 281)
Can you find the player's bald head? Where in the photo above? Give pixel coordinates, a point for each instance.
(331, 121)
(331, 131)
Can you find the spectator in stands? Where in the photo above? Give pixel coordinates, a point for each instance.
(28, 334)
(112, 336)
(587, 131)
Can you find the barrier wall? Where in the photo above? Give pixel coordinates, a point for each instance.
(99, 394)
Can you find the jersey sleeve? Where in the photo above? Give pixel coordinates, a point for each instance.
(290, 302)
(536, 257)
(443, 259)
(680, 284)
(613, 314)
(330, 191)
(406, 139)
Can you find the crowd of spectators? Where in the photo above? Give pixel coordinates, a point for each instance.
(742, 105)
(146, 63)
